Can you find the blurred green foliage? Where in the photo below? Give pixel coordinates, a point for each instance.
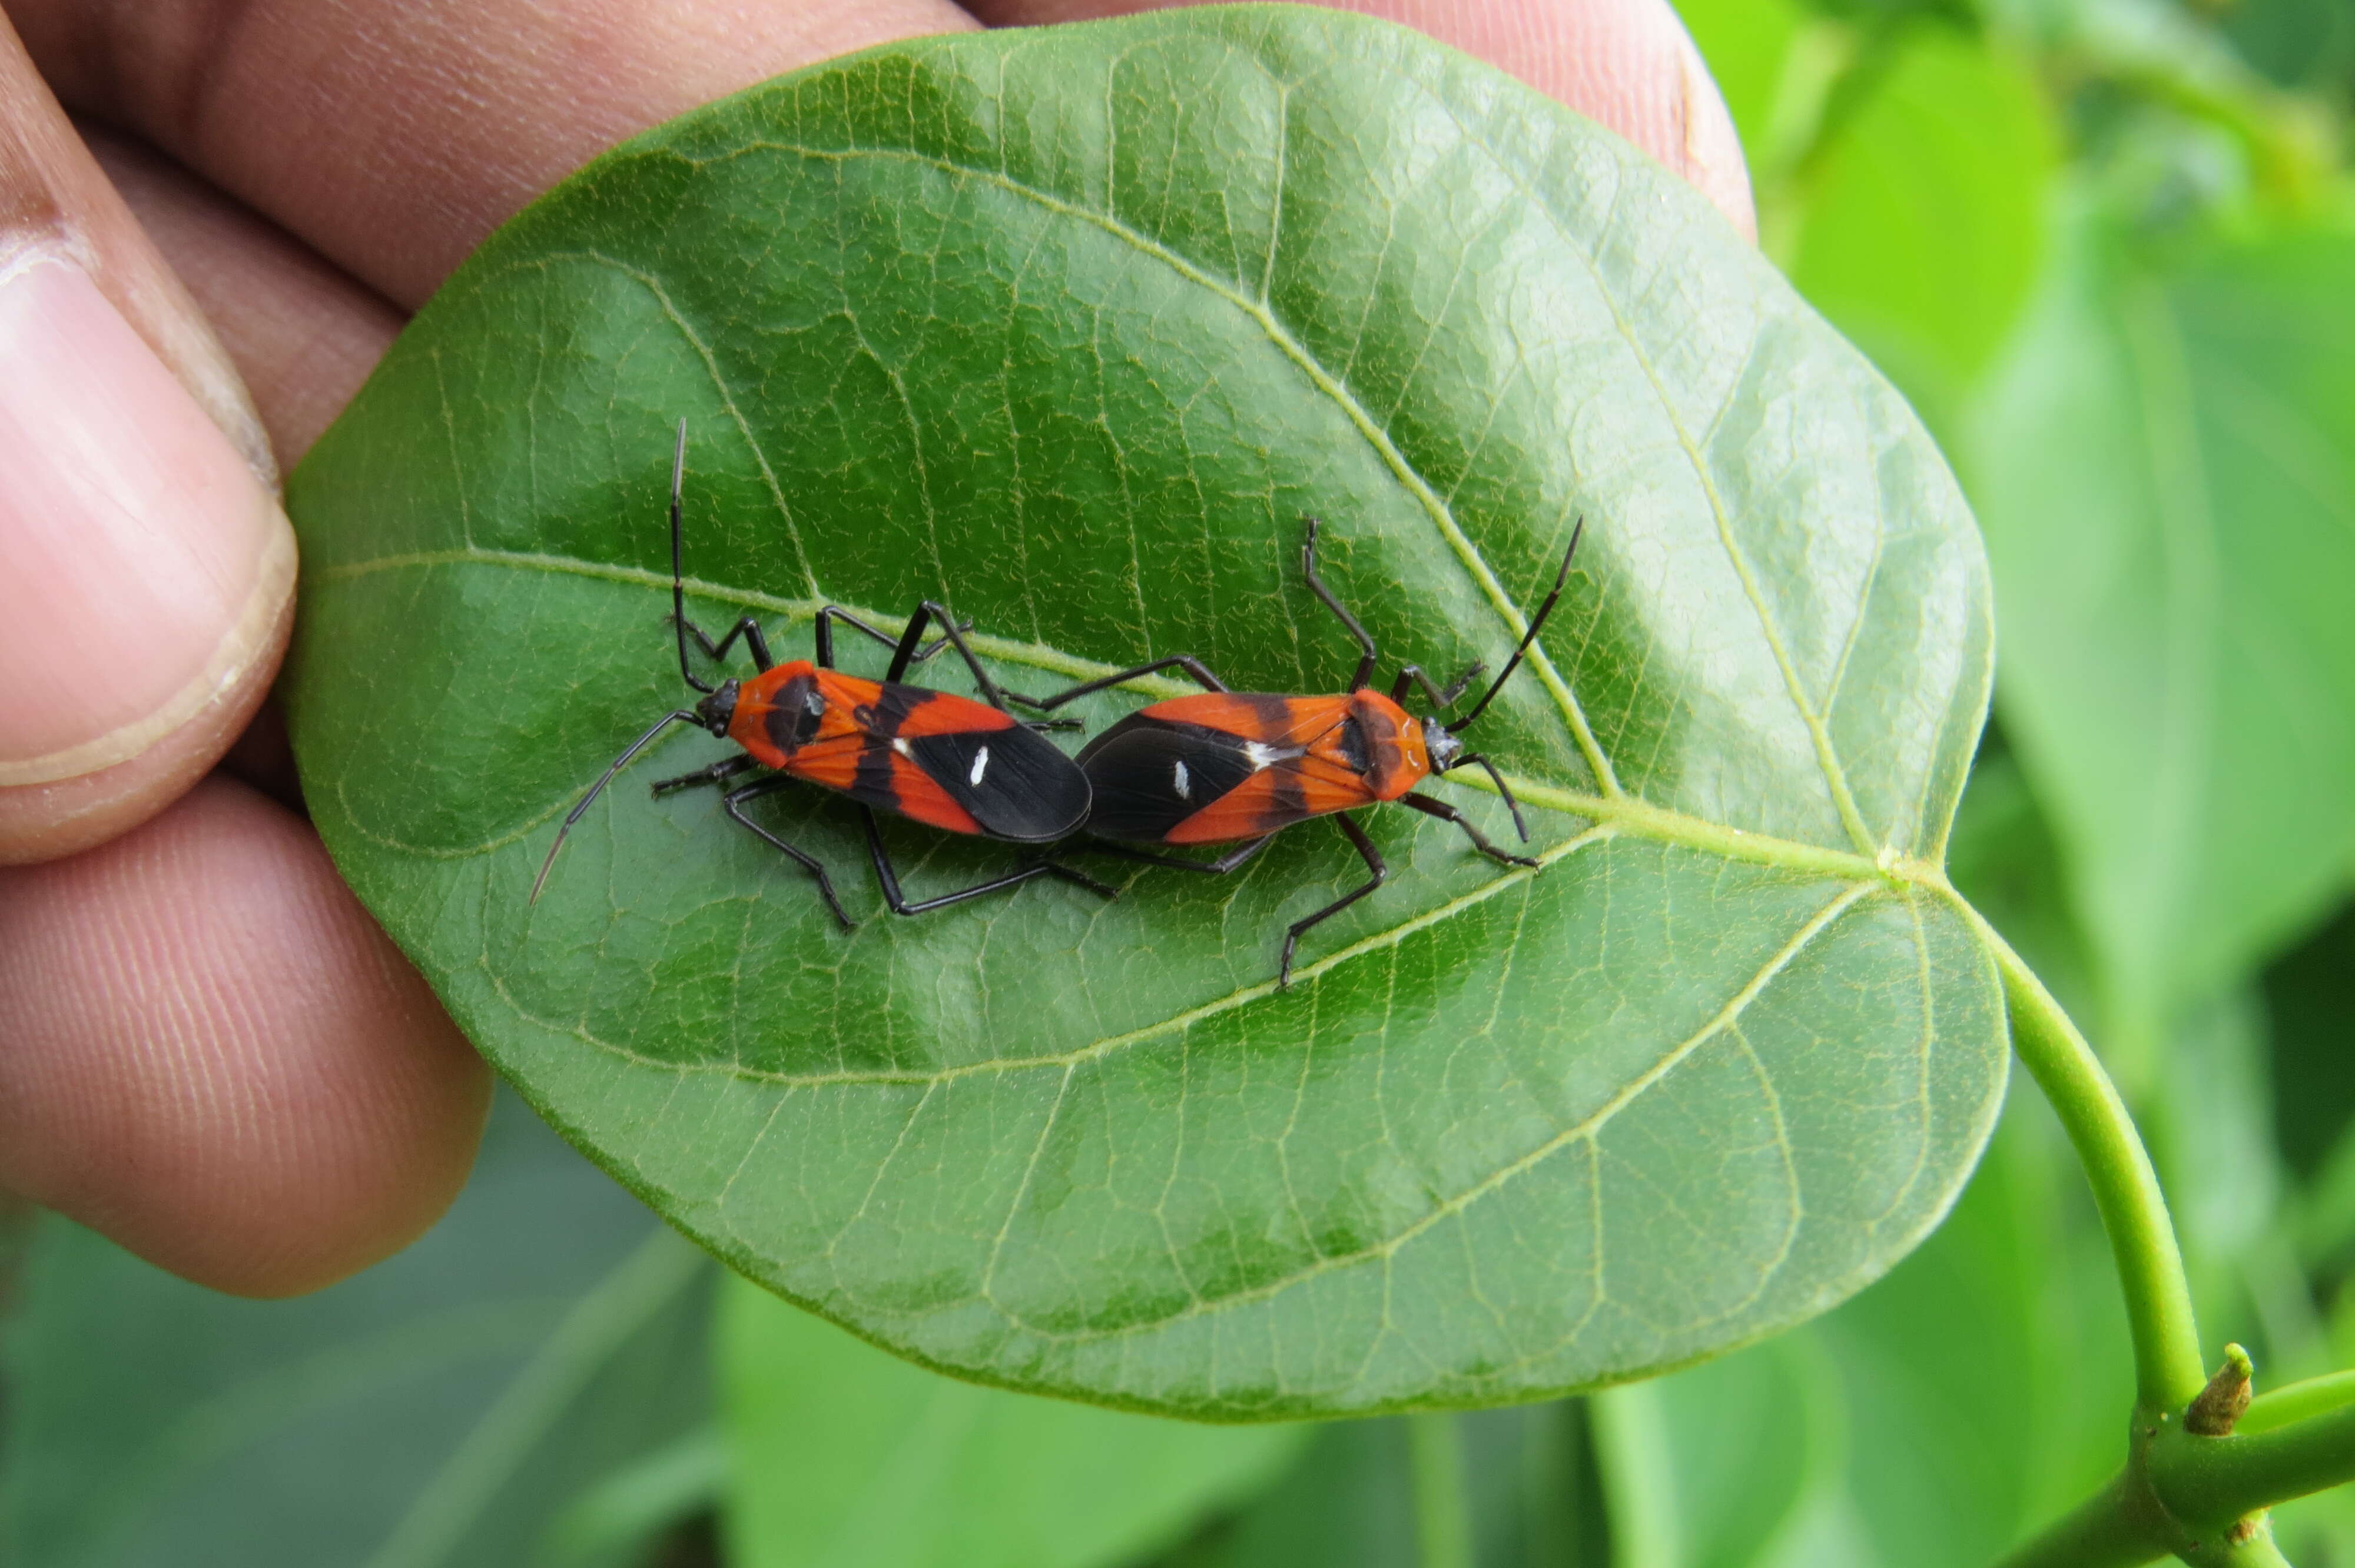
(2107, 246)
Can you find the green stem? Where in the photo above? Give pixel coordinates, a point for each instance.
(2298, 1402)
(2209, 1480)
(2108, 1529)
(1633, 1462)
(2180, 1492)
(2168, 1370)
(1443, 1523)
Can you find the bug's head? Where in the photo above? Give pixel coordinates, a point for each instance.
(718, 711)
(1442, 746)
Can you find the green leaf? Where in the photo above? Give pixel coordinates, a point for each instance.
(2302, 44)
(2164, 465)
(1348, 1502)
(2311, 1007)
(1714, 1468)
(1748, 46)
(1920, 229)
(1071, 327)
(845, 1457)
(1902, 167)
(1350, 1499)
(441, 1409)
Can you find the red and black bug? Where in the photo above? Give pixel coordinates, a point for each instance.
(1234, 767)
(945, 760)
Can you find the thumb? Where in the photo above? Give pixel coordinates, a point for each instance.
(146, 572)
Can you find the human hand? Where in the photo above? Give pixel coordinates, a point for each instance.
(207, 1049)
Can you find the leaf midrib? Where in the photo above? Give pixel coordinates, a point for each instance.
(1628, 814)
(1202, 1013)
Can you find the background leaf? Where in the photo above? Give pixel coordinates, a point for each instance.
(1920, 230)
(1350, 1500)
(1749, 45)
(443, 1409)
(2163, 464)
(1073, 327)
(847, 1457)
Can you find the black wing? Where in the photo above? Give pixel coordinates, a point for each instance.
(1149, 775)
(1014, 781)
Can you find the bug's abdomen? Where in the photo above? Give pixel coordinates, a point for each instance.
(1012, 781)
(1148, 776)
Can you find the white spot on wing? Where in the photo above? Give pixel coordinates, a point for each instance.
(1260, 755)
(1182, 784)
(902, 748)
(980, 762)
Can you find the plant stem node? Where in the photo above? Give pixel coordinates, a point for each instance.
(2218, 1407)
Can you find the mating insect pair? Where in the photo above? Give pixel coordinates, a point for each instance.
(1221, 767)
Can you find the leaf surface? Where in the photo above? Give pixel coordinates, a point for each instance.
(1071, 327)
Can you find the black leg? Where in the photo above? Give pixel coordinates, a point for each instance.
(1441, 697)
(1365, 846)
(683, 716)
(1447, 813)
(1504, 791)
(831, 613)
(748, 628)
(1081, 879)
(1316, 586)
(734, 802)
(889, 877)
(711, 775)
(1184, 662)
(905, 654)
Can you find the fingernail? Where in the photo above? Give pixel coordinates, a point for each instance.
(143, 566)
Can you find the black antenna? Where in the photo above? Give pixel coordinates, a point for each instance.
(660, 724)
(684, 715)
(677, 579)
(1536, 623)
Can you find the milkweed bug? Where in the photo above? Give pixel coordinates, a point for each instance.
(945, 760)
(1234, 767)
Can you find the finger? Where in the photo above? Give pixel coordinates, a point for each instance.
(393, 137)
(218, 1059)
(301, 334)
(150, 574)
(1626, 63)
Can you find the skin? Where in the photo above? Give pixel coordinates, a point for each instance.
(211, 1054)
